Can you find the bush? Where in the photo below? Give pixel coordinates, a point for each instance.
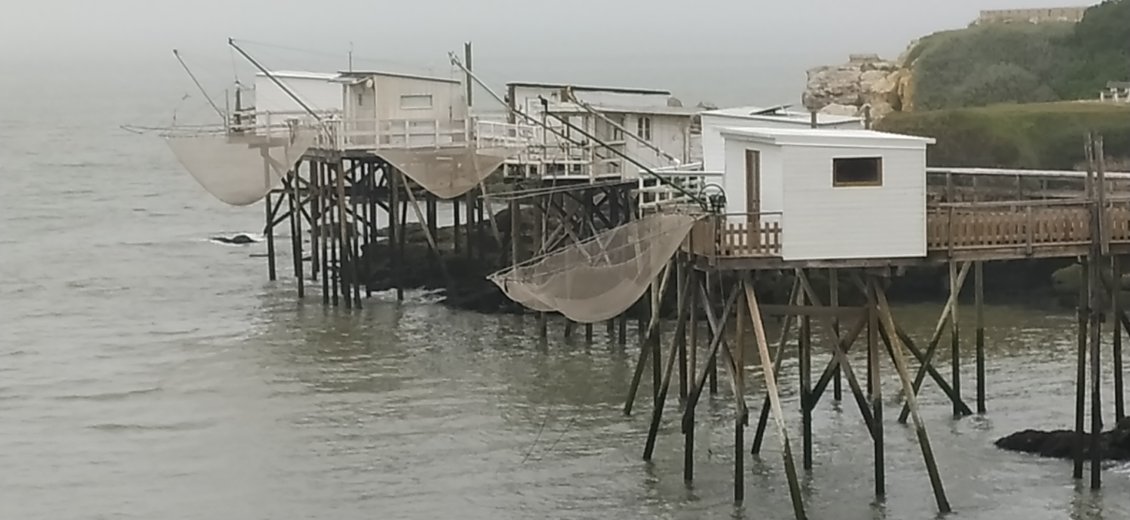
(1023, 63)
(1036, 136)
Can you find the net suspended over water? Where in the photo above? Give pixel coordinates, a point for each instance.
(448, 172)
(240, 169)
(599, 278)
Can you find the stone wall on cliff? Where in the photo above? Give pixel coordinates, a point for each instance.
(866, 80)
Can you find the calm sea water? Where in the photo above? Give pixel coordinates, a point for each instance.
(148, 373)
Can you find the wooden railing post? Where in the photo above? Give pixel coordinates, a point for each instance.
(1028, 223)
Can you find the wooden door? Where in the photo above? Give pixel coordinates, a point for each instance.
(753, 195)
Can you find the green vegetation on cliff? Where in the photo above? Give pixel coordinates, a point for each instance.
(1038, 135)
(1022, 63)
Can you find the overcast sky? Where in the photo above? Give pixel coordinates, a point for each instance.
(726, 51)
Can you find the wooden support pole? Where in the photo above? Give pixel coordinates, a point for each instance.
(955, 338)
(645, 352)
(1099, 250)
(740, 413)
(270, 232)
(1115, 297)
(1096, 373)
(325, 232)
(333, 171)
(692, 369)
(774, 397)
(1081, 367)
(681, 333)
(355, 231)
(778, 356)
(712, 365)
(839, 348)
(657, 410)
(315, 241)
(371, 236)
(875, 393)
(834, 301)
(806, 405)
(297, 239)
(979, 304)
(879, 297)
(471, 225)
(927, 366)
(457, 246)
(652, 338)
(345, 265)
(393, 233)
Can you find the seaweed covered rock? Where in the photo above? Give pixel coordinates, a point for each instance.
(1060, 444)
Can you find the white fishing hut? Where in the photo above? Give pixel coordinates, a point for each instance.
(387, 109)
(273, 106)
(645, 124)
(833, 194)
(713, 121)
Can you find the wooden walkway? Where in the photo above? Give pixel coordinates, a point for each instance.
(954, 231)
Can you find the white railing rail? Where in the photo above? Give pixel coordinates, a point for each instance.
(655, 194)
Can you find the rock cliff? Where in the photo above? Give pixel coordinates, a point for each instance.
(865, 80)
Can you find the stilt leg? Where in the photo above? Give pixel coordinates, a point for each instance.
(774, 398)
(834, 289)
(1081, 368)
(270, 232)
(1096, 373)
(879, 298)
(1116, 316)
(955, 338)
(979, 303)
(875, 393)
(806, 404)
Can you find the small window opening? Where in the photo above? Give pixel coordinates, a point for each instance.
(857, 171)
(416, 101)
(643, 128)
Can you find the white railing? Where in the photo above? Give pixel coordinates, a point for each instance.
(654, 194)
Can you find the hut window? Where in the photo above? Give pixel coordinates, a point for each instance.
(643, 128)
(857, 171)
(416, 102)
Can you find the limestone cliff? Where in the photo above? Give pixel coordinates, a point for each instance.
(865, 80)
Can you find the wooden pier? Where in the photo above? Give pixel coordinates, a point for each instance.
(725, 254)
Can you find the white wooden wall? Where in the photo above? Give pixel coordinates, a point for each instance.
(320, 94)
(825, 222)
(448, 99)
(714, 145)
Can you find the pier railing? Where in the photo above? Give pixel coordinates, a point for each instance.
(737, 236)
(1029, 228)
(654, 194)
(991, 230)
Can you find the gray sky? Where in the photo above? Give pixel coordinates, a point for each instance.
(726, 51)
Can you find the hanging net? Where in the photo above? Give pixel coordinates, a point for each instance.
(240, 169)
(601, 277)
(448, 172)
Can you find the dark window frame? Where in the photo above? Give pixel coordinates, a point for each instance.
(857, 172)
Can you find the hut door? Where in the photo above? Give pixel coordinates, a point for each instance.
(753, 191)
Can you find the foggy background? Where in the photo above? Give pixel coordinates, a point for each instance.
(724, 52)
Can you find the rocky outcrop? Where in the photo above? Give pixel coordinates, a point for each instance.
(866, 80)
(1060, 444)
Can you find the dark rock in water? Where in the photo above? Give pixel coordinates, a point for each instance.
(239, 239)
(1060, 444)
